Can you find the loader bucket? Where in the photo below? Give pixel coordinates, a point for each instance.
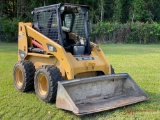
(95, 94)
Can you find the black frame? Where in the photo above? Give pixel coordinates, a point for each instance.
(57, 7)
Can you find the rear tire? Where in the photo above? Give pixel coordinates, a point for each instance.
(23, 75)
(45, 82)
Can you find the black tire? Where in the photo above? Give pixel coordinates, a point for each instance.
(112, 70)
(45, 82)
(23, 75)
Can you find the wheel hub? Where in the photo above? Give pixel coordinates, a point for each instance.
(42, 84)
(19, 77)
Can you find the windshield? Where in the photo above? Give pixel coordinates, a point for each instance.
(77, 25)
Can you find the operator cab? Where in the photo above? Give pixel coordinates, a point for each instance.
(65, 24)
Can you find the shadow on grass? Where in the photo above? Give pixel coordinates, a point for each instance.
(31, 91)
(145, 107)
(151, 103)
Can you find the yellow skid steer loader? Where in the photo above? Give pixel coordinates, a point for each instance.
(57, 59)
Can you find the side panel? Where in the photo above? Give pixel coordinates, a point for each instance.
(45, 60)
(96, 61)
(22, 42)
(98, 51)
(72, 65)
(52, 48)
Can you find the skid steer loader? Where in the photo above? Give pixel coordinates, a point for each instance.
(57, 59)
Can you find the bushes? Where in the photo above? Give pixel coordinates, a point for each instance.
(9, 29)
(141, 33)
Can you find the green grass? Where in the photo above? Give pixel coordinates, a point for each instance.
(142, 62)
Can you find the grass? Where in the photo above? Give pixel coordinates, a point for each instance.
(142, 62)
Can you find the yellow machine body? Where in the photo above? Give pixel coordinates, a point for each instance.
(87, 83)
(68, 64)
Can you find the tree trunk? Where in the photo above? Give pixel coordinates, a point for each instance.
(102, 9)
(1, 7)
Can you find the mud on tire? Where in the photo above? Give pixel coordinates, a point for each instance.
(45, 82)
(23, 75)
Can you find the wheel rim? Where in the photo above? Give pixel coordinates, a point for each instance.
(19, 77)
(42, 84)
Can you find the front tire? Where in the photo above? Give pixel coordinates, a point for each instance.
(23, 75)
(45, 82)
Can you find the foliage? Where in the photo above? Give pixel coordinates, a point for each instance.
(115, 12)
(108, 10)
(9, 29)
(141, 13)
(142, 33)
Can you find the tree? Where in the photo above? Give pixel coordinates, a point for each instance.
(117, 16)
(141, 12)
(154, 7)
